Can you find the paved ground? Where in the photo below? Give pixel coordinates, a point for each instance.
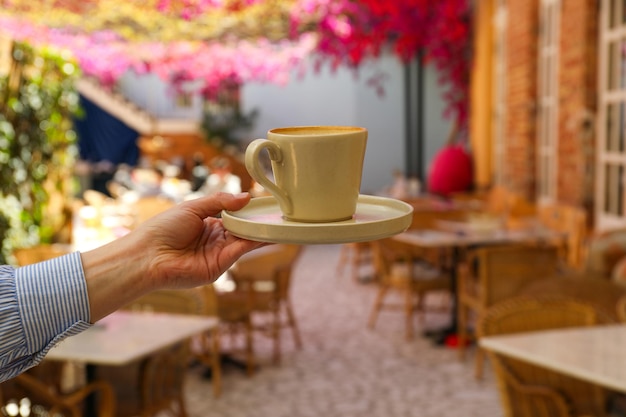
(344, 369)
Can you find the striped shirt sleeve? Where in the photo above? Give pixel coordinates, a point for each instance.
(40, 305)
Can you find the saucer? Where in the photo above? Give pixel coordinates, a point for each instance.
(375, 218)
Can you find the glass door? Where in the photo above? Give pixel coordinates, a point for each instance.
(610, 207)
(547, 100)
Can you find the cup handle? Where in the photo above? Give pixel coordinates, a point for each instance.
(252, 165)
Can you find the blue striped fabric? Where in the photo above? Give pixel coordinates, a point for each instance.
(40, 305)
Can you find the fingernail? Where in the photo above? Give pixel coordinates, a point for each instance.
(241, 195)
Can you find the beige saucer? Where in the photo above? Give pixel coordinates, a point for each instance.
(375, 218)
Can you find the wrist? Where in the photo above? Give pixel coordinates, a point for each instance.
(115, 274)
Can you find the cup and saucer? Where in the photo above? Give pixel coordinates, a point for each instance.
(315, 196)
(375, 218)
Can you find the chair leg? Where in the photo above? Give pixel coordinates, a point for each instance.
(291, 320)
(182, 410)
(420, 308)
(353, 255)
(480, 362)
(216, 366)
(356, 253)
(276, 335)
(377, 306)
(249, 348)
(344, 258)
(409, 308)
(462, 312)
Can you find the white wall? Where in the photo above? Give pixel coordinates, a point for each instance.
(341, 98)
(150, 93)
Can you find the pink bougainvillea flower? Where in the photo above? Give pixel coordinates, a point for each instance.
(214, 42)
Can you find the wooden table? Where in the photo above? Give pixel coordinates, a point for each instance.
(459, 240)
(125, 336)
(431, 238)
(595, 354)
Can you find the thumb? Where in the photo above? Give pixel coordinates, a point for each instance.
(214, 204)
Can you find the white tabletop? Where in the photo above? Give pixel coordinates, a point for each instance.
(596, 354)
(125, 336)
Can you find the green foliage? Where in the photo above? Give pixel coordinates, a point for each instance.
(37, 141)
(4, 230)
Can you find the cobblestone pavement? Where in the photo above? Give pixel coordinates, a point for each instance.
(345, 369)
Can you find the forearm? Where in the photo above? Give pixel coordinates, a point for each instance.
(116, 274)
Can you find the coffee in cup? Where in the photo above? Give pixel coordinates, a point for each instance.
(317, 170)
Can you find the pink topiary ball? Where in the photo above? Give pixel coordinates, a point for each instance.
(451, 171)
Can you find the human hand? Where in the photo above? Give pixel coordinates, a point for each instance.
(188, 246)
(183, 247)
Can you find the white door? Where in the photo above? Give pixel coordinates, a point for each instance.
(547, 100)
(610, 201)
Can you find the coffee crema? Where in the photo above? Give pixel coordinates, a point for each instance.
(316, 130)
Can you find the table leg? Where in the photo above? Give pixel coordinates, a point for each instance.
(441, 335)
(91, 404)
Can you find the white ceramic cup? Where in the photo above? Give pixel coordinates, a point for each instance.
(317, 170)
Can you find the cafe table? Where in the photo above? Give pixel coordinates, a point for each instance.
(434, 238)
(456, 237)
(125, 336)
(594, 354)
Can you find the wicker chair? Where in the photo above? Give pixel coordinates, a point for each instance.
(571, 221)
(42, 396)
(531, 391)
(492, 274)
(234, 311)
(603, 252)
(264, 277)
(396, 267)
(40, 253)
(603, 294)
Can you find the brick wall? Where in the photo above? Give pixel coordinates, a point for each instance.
(521, 59)
(577, 99)
(577, 94)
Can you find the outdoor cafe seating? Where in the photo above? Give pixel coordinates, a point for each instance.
(494, 273)
(462, 255)
(527, 390)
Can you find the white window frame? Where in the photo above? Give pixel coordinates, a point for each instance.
(610, 200)
(548, 101)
